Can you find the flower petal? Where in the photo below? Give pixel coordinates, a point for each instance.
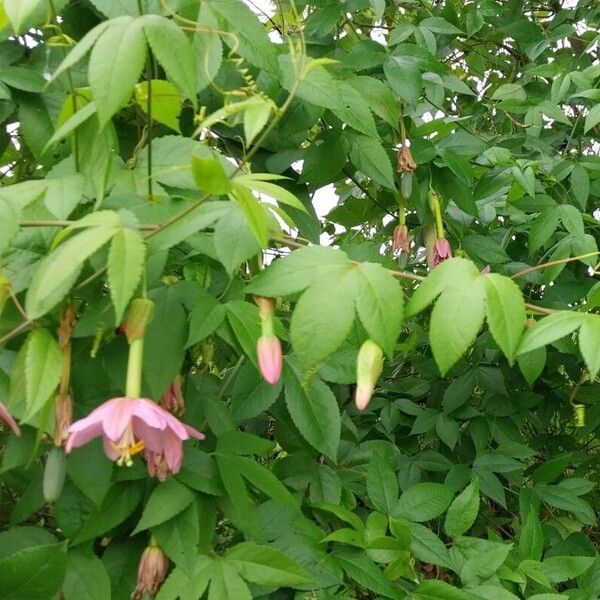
(117, 417)
(83, 436)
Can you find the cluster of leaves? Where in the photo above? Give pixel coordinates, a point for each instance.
(175, 146)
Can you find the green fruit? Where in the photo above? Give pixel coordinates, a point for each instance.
(54, 474)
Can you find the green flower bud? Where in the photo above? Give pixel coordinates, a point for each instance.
(141, 311)
(369, 365)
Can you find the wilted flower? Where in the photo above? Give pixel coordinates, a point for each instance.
(401, 242)
(172, 399)
(406, 163)
(151, 572)
(63, 415)
(441, 251)
(369, 365)
(129, 426)
(268, 350)
(5, 415)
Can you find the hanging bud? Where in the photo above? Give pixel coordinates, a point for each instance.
(141, 311)
(406, 163)
(441, 251)
(54, 474)
(268, 347)
(172, 399)
(63, 416)
(401, 242)
(429, 240)
(151, 571)
(268, 350)
(369, 365)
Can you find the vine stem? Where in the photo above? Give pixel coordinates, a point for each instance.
(552, 263)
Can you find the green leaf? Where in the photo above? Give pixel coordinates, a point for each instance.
(406, 81)
(532, 364)
(549, 329)
(312, 82)
(505, 312)
(439, 25)
(266, 566)
(379, 97)
(251, 40)
(234, 239)
(315, 412)
(424, 501)
(206, 316)
(509, 91)
(43, 367)
(22, 12)
(226, 584)
(542, 228)
(531, 540)
(589, 335)
(166, 501)
(251, 395)
(275, 191)
(427, 546)
(455, 321)
(363, 570)
(323, 317)
(116, 62)
(210, 176)
(179, 536)
(484, 564)
(207, 46)
(9, 224)
(354, 110)
(592, 118)
(300, 269)
(580, 184)
(165, 101)
(463, 511)
(368, 155)
(255, 212)
(255, 118)
(382, 484)
(379, 305)
(34, 573)
(453, 273)
(565, 500)
(86, 578)
(563, 568)
(245, 322)
(125, 263)
(434, 589)
(172, 49)
(58, 271)
(89, 470)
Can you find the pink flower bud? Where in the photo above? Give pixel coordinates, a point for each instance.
(369, 365)
(172, 399)
(401, 242)
(268, 350)
(152, 570)
(441, 251)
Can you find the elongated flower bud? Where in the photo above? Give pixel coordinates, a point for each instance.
(152, 570)
(401, 241)
(268, 350)
(369, 365)
(141, 311)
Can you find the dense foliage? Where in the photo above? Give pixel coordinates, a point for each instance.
(162, 164)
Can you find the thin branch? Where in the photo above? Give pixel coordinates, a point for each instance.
(552, 263)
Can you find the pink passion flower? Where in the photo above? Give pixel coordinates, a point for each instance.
(129, 426)
(5, 415)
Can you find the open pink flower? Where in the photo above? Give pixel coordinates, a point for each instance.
(441, 251)
(4, 414)
(268, 350)
(129, 426)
